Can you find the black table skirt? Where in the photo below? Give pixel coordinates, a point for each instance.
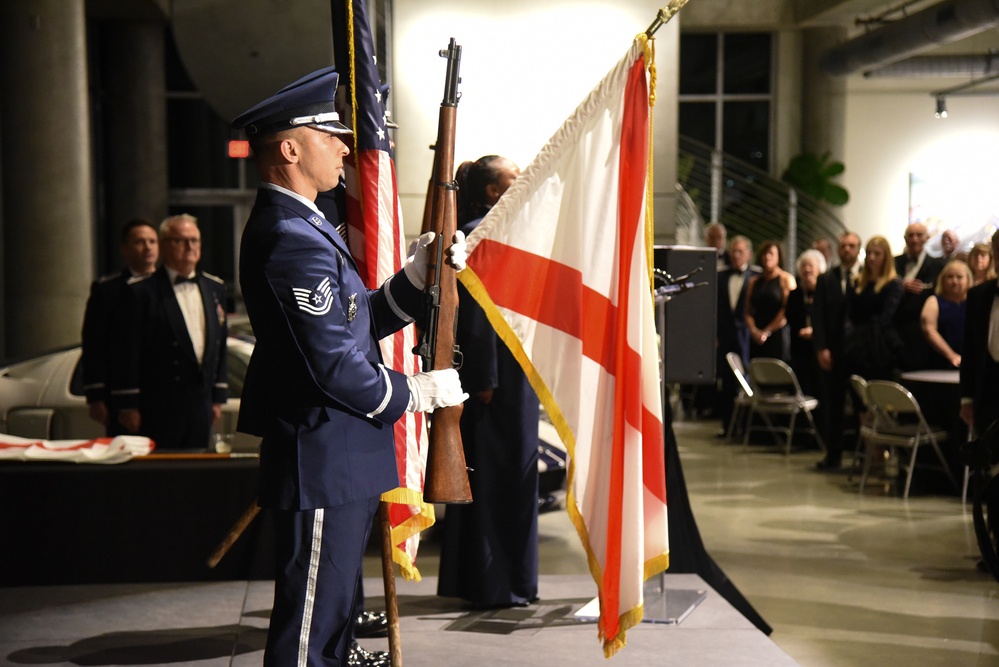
(141, 521)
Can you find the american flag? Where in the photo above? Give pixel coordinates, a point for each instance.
(376, 241)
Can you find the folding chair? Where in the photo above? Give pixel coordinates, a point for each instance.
(899, 423)
(777, 392)
(745, 395)
(866, 421)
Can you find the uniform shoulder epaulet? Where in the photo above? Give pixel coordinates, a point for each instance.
(215, 278)
(138, 279)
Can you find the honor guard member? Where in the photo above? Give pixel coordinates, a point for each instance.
(316, 391)
(171, 376)
(140, 249)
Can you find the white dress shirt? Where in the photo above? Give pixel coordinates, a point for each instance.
(192, 307)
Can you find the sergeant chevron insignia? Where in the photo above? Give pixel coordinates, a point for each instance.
(316, 301)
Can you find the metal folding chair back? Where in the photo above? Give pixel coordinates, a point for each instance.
(859, 386)
(899, 423)
(745, 396)
(777, 391)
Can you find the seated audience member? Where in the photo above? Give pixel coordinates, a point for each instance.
(872, 343)
(766, 305)
(980, 261)
(943, 315)
(805, 363)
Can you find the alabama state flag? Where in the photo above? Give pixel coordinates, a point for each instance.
(562, 267)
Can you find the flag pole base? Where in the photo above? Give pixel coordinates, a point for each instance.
(665, 606)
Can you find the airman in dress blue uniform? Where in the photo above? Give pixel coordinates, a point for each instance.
(140, 249)
(316, 391)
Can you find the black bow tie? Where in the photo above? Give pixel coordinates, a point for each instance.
(184, 279)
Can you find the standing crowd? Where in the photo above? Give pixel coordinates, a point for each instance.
(875, 318)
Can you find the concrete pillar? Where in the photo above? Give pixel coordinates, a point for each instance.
(665, 122)
(133, 111)
(823, 98)
(47, 182)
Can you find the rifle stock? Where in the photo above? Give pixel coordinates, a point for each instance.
(446, 480)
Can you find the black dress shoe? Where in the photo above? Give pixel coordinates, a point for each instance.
(371, 624)
(359, 657)
(826, 465)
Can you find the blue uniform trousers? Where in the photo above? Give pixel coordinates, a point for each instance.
(319, 557)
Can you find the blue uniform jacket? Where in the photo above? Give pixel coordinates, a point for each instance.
(99, 320)
(316, 391)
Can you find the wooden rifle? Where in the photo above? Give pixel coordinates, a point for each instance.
(446, 480)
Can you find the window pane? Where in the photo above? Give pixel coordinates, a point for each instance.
(746, 132)
(747, 63)
(698, 64)
(697, 121)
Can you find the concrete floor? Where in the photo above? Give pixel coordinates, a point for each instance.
(844, 579)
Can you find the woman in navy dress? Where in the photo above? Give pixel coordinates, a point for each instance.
(943, 314)
(489, 549)
(766, 305)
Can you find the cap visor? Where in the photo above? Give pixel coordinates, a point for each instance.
(333, 127)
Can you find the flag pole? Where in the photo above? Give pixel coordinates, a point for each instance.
(388, 575)
(665, 14)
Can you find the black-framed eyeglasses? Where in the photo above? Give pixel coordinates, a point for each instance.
(188, 241)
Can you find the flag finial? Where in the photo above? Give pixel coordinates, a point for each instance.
(665, 14)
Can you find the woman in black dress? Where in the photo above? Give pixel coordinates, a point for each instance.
(872, 343)
(804, 361)
(766, 303)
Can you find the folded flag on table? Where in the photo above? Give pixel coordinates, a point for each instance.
(98, 450)
(578, 222)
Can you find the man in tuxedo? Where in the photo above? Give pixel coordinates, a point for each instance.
(171, 372)
(918, 272)
(140, 250)
(715, 236)
(828, 320)
(733, 334)
(980, 356)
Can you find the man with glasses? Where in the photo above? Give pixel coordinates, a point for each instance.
(170, 380)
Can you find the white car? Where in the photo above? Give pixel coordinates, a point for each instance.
(43, 398)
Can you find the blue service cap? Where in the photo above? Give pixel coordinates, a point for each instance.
(308, 101)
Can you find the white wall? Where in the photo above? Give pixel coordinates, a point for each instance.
(892, 133)
(525, 66)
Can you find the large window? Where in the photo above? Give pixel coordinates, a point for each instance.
(726, 94)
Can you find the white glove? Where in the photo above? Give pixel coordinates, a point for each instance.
(434, 389)
(458, 252)
(416, 265)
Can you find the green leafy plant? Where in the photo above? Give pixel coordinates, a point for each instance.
(813, 174)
